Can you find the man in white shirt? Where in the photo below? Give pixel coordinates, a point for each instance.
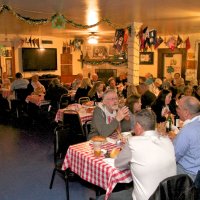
(149, 156)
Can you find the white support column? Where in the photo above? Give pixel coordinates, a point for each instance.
(133, 55)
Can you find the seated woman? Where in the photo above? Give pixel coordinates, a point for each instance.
(83, 90)
(5, 89)
(133, 102)
(5, 81)
(55, 91)
(96, 92)
(161, 105)
(37, 90)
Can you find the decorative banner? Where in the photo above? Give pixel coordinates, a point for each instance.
(37, 42)
(125, 45)
(171, 43)
(187, 43)
(158, 42)
(142, 37)
(179, 41)
(119, 39)
(58, 21)
(30, 41)
(152, 37)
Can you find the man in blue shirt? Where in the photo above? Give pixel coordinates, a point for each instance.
(187, 142)
(19, 82)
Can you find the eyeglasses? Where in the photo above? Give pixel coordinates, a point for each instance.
(112, 99)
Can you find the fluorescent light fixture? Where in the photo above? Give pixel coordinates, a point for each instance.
(92, 40)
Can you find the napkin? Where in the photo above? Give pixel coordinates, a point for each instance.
(113, 141)
(109, 161)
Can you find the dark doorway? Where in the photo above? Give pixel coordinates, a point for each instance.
(105, 74)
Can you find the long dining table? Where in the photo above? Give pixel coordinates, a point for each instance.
(85, 112)
(96, 170)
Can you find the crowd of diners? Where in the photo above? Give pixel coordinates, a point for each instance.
(120, 106)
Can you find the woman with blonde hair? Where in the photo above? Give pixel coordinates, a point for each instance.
(96, 92)
(83, 90)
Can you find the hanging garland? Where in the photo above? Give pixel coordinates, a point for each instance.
(99, 62)
(57, 20)
(29, 20)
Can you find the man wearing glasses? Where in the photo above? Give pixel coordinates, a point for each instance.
(108, 117)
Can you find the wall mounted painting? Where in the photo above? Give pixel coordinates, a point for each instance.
(100, 52)
(146, 58)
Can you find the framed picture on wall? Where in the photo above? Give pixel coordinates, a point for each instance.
(100, 52)
(146, 58)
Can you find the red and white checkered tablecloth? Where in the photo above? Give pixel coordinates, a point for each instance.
(80, 159)
(84, 116)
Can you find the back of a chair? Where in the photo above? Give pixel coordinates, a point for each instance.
(82, 100)
(60, 143)
(65, 100)
(178, 187)
(87, 127)
(73, 127)
(21, 94)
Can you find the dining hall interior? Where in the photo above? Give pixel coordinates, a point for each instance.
(48, 40)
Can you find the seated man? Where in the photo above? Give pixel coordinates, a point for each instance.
(149, 156)
(19, 82)
(187, 142)
(147, 97)
(107, 116)
(77, 82)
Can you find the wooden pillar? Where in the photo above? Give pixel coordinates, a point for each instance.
(133, 55)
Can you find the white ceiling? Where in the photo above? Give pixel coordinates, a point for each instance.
(166, 16)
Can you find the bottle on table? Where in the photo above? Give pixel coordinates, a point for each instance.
(176, 121)
(169, 123)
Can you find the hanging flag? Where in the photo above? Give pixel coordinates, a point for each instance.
(33, 41)
(30, 41)
(119, 39)
(159, 41)
(37, 42)
(142, 37)
(152, 36)
(179, 41)
(187, 43)
(171, 43)
(145, 30)
(125, 43)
